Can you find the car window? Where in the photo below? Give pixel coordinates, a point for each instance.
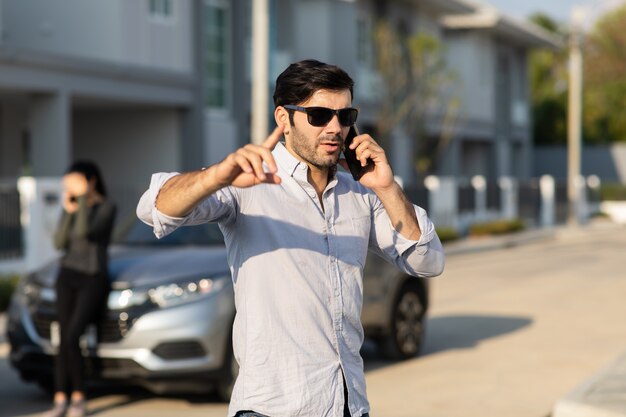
(140, 234)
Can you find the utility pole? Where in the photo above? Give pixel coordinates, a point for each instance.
(574, 116)
(260, 70)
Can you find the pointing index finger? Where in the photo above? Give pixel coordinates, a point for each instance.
(274, 137)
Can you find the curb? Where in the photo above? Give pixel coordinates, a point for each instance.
(602, 395)
(480, 244)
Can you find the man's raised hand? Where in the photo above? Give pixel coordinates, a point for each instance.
(244, 167)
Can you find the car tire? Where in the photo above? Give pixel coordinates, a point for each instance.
(230, 369)
(226, 384)
(407, 323)
(45, 383)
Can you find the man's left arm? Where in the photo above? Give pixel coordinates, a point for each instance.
(417, 247)
(379, 178)
(400, 211)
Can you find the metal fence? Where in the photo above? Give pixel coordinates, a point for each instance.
(529, 201)
(494, 196)
(466, 198)
(529, 206)
(11, 241)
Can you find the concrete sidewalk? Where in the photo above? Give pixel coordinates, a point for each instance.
(603, 394)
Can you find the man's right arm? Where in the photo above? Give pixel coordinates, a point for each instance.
(175, 196)
(183, 192)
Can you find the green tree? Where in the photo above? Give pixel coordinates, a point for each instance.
(605, 79)
(414, 76)
(548, 77)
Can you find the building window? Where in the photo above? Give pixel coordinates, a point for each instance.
(216, 52)
(365, 40)
(161, 9)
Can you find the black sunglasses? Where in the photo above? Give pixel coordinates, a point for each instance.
(320, 116)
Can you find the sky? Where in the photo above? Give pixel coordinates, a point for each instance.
(559, 10)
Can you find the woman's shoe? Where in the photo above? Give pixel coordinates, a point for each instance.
(77, 409)
(58, 410)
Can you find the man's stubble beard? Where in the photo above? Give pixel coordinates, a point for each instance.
(308, 150)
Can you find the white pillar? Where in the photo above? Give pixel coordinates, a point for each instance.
(574, 115)
(582, 211)
(594, 183)
(547, 208)
(442, 198)
(479, 184)
(508, 197)
(260, 70)
(41, 205)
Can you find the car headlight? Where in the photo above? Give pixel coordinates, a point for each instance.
(167, 295)
(33, 292)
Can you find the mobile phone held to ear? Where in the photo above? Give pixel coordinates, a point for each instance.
(356, 169)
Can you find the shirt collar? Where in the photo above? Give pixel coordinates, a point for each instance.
(286, 161)
(293, 166)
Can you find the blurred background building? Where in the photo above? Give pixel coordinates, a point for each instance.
(151, 85)
(162, 85)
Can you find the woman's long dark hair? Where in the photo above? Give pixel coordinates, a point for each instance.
(90, 170)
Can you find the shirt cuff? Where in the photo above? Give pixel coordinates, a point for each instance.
(162, 223)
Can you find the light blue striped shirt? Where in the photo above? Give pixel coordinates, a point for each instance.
(297, 268)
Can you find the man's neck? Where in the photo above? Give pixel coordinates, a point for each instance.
(318, 178)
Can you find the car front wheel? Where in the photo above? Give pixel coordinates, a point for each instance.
(226, 384)
(407, 323)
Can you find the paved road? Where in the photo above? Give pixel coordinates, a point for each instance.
(510, 332)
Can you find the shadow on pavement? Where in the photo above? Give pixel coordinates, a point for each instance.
(451, 332)
(466, 331)
(22, 399)
(107, 397)
(442, 333)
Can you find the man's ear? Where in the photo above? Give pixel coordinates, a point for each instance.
(281, 116)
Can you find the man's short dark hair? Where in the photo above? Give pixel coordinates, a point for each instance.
(302, 79)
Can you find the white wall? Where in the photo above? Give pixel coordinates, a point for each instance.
(220, 135)
(607, 162)
(324, 30)
(113, 30)
(472, 57)
(128, 145)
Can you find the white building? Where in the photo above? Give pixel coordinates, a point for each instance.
(153, 85)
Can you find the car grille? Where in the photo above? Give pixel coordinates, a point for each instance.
(42, 325)
(179, 350)
(110, 330)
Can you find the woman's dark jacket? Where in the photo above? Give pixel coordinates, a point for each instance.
(85, 235)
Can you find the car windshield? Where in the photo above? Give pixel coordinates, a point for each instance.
(140, 234)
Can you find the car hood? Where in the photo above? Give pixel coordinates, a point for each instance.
(136, 267)
(131, 266)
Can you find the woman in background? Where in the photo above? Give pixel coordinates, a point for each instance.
(82, 286)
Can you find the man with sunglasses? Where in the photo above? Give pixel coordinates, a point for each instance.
(297, 231)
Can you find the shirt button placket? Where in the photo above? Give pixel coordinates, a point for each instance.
(335, 278)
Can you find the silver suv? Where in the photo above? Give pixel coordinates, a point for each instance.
(167, 326)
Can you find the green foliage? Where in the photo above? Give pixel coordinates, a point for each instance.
(7, 287)
(496, 227)
(605, 84)
(414, 78)
(447, 234)
(548, 77)
(612, 192)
